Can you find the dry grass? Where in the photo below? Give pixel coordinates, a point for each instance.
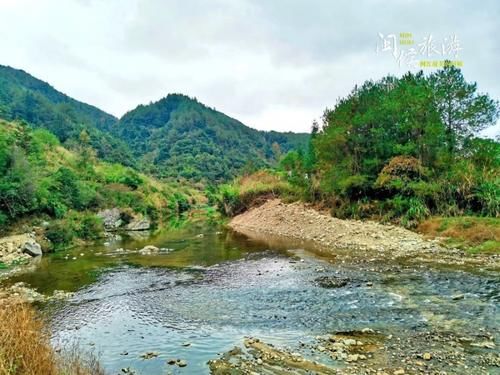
(473, 233)
(25, 347)
(258, 187)
(262, 183)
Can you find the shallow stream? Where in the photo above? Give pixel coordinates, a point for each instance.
(208, 288)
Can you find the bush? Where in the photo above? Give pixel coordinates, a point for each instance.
(229, 202)
(178, 203)
(60, 233)
(398, 173)
(354, 187)
(89, 227)
(410, 210)
(131, 179)
(85, 226)
(487, 195)
(117, 173)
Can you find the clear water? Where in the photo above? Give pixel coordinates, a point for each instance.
(212, 290)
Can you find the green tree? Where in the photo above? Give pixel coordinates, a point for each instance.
(463, 111)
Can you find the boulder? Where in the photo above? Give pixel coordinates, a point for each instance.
(111, 218)
(138, 224)
(32, 248)
(147, 250)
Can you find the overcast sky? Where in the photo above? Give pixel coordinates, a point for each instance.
(271, 64)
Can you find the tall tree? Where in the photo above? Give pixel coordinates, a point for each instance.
(463, 111)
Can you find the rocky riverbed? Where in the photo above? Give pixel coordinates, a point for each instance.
(18, 249)
(209, 300)
(366, 241)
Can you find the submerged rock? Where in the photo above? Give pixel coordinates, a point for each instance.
(149, 355)
(331, 281)
(484, 344)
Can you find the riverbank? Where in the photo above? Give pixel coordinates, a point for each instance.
(354, 240)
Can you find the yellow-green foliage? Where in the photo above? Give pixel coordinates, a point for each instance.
(252, 189)
(40, 177)
(476, 234)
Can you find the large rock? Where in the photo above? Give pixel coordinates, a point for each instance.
(138, 224)
(111, 218)
(148, 250)
(32, 248)
(18, 248)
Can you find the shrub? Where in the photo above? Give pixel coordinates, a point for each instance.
(354, 187)
(117, 173)
(229, 202)
(487, 195)
(398, 172)
(89, 227)
(60, 233)
(178, 203)
(410, 210)
(131, 179)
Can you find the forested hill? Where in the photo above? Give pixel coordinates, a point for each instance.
(176, 136)
(24, 97)
(179, 136)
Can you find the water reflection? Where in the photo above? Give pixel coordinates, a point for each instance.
(214, 287)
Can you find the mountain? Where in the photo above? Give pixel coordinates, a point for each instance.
(24, 97)
(176, 136)
(180, 136)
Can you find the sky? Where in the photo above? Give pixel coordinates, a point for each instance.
(270, 64)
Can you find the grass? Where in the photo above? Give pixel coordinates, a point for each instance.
(252, 190)
(474, 234)
(25, 347)
(265, 184)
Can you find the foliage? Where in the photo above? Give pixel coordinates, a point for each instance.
(178, 203)
(179, 137)
(476, 234)
(39, 177)
(408, 146)
(23, 97)
(253, 189)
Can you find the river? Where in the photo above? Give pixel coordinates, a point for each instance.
(208, 288)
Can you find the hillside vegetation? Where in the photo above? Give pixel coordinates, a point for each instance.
(176, 136)
(179, 137)
(24, 97)
(401, 150)
(39, 178)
